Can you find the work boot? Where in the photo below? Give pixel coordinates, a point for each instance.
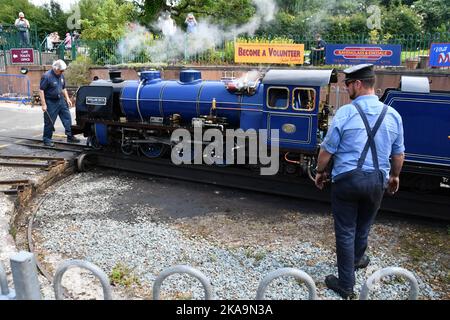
(363, 263)
(49, 144)
(72, 139)
(333, 283)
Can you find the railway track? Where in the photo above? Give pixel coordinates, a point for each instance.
(36, 143)
(404, 202)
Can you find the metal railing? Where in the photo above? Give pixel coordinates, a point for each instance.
(10, 38)
(415, 48)
(26, 282)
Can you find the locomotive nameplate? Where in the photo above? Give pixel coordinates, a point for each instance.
(289, 128)
(96, 101)
(158, 120)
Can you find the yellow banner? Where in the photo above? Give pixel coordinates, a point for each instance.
(269, 53)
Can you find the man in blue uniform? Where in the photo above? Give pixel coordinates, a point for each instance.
(362, 139)
(55, 102)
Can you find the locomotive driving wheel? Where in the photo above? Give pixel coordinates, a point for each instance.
(153, 150)
(93, 142)
(127, 149)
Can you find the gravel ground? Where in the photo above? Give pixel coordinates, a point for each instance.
(135, 227)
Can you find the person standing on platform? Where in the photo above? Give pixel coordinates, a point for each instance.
(362, 139)
(23, 26)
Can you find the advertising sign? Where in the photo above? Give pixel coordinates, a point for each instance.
(269, 53)
(22, 56)
(440, 55)
(381, 55)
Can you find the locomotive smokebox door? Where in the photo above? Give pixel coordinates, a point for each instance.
(95, 102)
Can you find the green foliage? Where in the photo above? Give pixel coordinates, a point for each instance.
(221, 12)
(436, 14)
(48, 18)
(400, 20)
(122, 275)
(77, 73)
(108, 21)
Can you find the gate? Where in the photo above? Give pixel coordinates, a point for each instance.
(15, 88)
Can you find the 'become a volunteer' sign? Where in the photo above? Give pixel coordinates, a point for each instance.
(269, 53)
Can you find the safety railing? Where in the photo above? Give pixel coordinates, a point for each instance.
(26, 282)
(11, 37)
(415, 49)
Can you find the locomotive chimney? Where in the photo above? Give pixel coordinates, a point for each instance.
(115, 76)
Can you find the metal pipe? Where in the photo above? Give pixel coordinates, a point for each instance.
(291, 272)
(24, 271)
(96, 271)
(182, 269)
(380, 274)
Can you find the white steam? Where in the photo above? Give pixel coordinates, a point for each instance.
(176, 43)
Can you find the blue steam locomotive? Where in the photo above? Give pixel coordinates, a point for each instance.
(141, 115)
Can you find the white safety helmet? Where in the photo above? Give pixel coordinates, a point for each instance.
(59, 65)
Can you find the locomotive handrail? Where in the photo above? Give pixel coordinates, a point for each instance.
(297, 274)
(180, 270)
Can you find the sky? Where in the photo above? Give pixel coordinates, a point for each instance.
(65, 4)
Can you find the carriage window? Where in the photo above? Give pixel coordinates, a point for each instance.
(278, 98)
(304, 99)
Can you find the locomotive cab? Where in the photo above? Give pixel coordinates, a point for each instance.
(297, 104)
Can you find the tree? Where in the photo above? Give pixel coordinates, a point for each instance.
(401, 20)
(224, 12)
(108, 21)
(436, 14)
(57, 19)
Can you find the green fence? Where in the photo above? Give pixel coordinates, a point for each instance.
(10, 38)
(414, 46)
(107, 52)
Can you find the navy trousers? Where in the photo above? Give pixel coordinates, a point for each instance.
(56, 108)
(356, 199)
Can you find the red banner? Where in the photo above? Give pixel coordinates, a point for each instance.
(22, 56)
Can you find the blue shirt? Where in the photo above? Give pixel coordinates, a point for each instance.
(191, 26)
(347, 136)
(52, 85)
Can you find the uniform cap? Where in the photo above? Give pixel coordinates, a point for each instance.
(360, 72)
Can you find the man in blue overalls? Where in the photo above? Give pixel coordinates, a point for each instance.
(362, 138)
(55, 102)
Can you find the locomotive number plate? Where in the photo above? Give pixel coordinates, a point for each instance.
(289, 128)
(96, 101)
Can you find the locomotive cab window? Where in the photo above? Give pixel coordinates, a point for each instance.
(304, 99)
(278, 98)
